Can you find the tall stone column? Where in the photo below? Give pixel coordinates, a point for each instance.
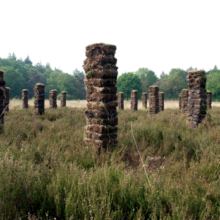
(134, 100)
(153, 100)
(197, 101)
(39, 95)
(24, 98)
(7, 98)
(209, 99)
(184, 100)
(121, 100)
(2, 97)
(161, 101)
(180, 101)
(63, 99)
(144, 100)
(100, 81)
(53, 98)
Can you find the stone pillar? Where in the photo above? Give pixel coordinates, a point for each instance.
(121, 100)
(100, 81)
(144, 100)
(197, 102)
(134, 100)
(184, 100)
(39, 95)
(2, 97)
(161, 101)
(209, 99)
(53, 98)
(153, 100)
(24, 98)
(180, 101)
(7, 98)
(63, 99)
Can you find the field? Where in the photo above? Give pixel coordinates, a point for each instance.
(48, 172)
(82, 104)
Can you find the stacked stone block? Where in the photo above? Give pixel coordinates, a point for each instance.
(184, 100)
(121, 100)
(134, 100)
(39, 95)
(153, 100)
(144, 100)
(2, 97)
(161, 101)
(209, 99)
(180, 102)
(7, 98)
(197, 101)
(24, 97)
(100, 81)
(53, 98)
(63, 99)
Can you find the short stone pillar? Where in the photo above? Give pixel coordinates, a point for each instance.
(134, 100)
(209, 99)
(121, 100)
(24, 97)
(184, 100)
(153, 100)
(39, 95)
(161, 101)
(180, 101)
(7, 98)
(2, 98)
(53, 98)
(100, 80)
(144, 100)
(63, 99)
(197, 102)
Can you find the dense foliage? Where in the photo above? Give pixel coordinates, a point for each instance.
(21, 74)
(45, 167)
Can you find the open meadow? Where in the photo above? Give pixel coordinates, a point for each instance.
(47, 171)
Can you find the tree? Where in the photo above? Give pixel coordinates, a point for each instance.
(40, 68)
(27, 61)
(14, 81)
(127, 82)
(213, 83)
(12, 56)
(80, 86)
(173, 83)
(162, 75)
(148, 78)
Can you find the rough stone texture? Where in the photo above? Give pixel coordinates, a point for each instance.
(24, 97)
(63, 99)
(144, 100)
(161, 101)
(180, 102)
(2, 97)
(153, 100)
(184, 100)
(121, 100)
(209, 99)
(100, 81)
(7, 99)
(134, 100)
(53, 98)
(197, 101)
(39, 95)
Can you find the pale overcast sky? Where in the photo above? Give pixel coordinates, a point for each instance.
(159, 34)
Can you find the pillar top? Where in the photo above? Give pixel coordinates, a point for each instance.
(24, 90)
(63, 92)
(7, 87)
(91, 46)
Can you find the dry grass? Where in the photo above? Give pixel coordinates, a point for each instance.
(169, 104)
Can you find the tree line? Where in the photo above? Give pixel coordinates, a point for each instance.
(171, 83)
(22, 74)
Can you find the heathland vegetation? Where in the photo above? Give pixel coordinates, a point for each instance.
(47, 171)
(27, 74)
